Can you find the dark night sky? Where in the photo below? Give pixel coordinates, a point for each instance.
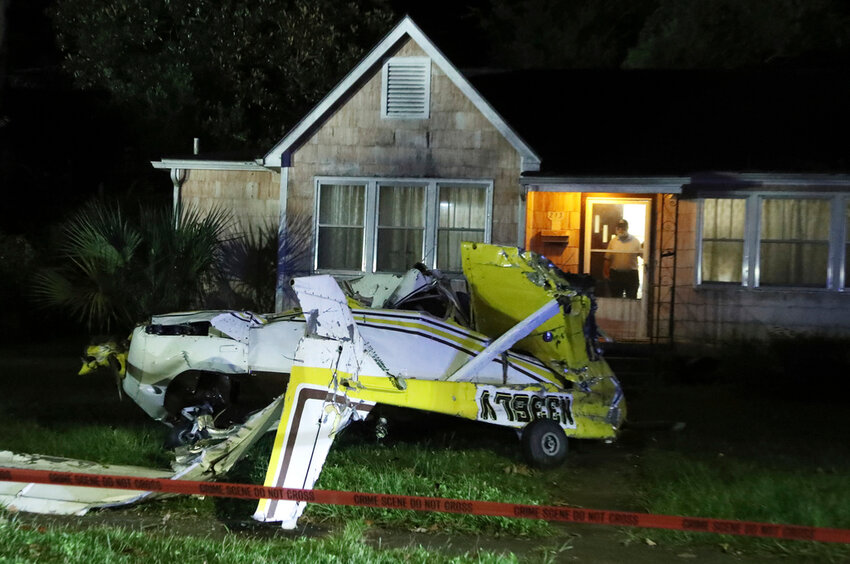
(72, 144)
(30, 37)
(61, 144)
(452, 25)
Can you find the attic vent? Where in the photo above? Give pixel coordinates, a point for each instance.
(406, 91)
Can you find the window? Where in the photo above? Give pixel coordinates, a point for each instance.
(462, 217)
(774, 240)
(406, 88)
(723, 239)
(387, 225)
(340, 226)
(401, 227)
(793, 242)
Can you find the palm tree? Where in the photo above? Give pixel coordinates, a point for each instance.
(254, 260)
(115, 271)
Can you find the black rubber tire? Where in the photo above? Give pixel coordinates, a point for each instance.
(179, 435)
(544, 444)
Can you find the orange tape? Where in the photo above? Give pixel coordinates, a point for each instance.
(419, 503)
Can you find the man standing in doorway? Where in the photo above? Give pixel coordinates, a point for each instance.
(621, 262)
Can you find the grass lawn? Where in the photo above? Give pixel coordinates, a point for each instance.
(24, 543)
(760, 454)
(735, 488)
(454, 464)
(742, 455)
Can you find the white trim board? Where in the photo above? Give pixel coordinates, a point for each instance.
(619, 184)
(192, 164)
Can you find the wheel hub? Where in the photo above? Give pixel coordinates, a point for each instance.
(550, 444)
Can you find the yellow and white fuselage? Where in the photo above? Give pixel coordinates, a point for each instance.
(336, 359)
(349, 360)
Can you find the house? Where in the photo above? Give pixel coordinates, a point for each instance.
(731, 182)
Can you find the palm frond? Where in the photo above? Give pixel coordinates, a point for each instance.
(117, 270)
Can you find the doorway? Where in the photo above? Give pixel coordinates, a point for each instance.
(618, 260)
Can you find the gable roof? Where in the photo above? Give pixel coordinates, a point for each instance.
(280, 153)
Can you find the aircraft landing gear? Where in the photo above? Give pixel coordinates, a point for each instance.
(544, 443)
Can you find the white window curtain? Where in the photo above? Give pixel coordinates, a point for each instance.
(723, 223)
(794, 242)
(341, 226)
(401, 227)
(462, 217)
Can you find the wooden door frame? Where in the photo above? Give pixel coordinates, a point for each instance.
(588, 201)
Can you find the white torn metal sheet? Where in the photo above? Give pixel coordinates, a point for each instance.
(412, 282)
(185, 317)
(206, 459)
(373, 290)
(237, 324)
(329, 317)
(68, 500)
(325, 307)
(199, 464)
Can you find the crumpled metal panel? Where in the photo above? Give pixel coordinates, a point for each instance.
(506, 286)
(67, 500)
(203, 461)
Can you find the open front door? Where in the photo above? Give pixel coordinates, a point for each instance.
(617, 260)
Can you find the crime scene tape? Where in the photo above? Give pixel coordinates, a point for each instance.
(438, 504)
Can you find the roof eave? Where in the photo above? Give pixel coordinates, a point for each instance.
(198, 164)
(618, 184)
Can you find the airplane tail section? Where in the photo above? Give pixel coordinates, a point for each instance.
(312, 417)
(317, 406)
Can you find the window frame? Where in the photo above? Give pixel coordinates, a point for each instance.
(701, 242)
(378, 226)
(751, 259)
(488, 207)
(370, 228)
(318, 225)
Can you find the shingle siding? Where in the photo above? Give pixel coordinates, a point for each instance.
(456, 142)
(251, 197)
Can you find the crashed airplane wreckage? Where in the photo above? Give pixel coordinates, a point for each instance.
(519, 351)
